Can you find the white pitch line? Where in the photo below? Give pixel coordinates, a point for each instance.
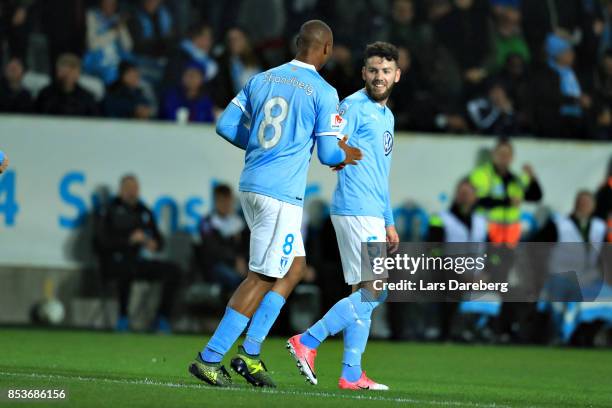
(147, 381)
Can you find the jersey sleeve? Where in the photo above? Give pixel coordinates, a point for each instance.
(233, 126)
(235, 121)
(328, 122)
(242, 99)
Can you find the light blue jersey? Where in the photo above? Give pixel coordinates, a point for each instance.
(288, 106)
(364, 189)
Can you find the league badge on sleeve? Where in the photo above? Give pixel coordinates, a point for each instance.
(337, 122)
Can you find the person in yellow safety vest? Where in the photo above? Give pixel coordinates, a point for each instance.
(501, 192)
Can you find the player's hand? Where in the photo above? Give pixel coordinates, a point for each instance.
(5, 164)
(392, 238)
(353, 154)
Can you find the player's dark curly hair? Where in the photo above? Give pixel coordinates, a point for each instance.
(381, 49)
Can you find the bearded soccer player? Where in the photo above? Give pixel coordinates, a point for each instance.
(276, 118)
(361, 212)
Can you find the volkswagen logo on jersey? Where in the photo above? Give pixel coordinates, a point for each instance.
(388, 142)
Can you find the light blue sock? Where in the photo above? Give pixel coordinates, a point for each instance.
(230, 328)
(309, 341)
(262, 322)
(340, 316)
(351, 373)
(355, 341)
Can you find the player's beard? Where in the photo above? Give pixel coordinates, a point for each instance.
(371, 90)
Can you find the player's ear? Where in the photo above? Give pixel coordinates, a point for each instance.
(398, 74)
(327, 49)
(363, 73)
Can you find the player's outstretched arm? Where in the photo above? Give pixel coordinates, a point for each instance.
(232, 127)
(329, 152)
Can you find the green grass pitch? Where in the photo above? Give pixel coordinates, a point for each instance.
(137, 370)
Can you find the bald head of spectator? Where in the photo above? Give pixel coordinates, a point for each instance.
(68, 71)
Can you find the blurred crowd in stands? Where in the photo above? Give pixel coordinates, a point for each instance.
(501, 67)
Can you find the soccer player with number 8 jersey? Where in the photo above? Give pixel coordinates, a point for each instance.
(277, 118)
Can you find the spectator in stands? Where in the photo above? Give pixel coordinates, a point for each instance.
(14, 18)
(237, 65)
(514, 77)
(603, 98)
(582, 225)
(508, 39)
(64, 26)
(575, 271)
(190, 96)
(404, 30)
(152, 29)
(195, 49)
(225, 241)
(465, 33)
(560, 106)
(65, 96)
(501, 193)
(126, 239)
(125, 98)
(540, 18)
(14, 98)
(494, 114)
(461, 223)
(108, 41)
